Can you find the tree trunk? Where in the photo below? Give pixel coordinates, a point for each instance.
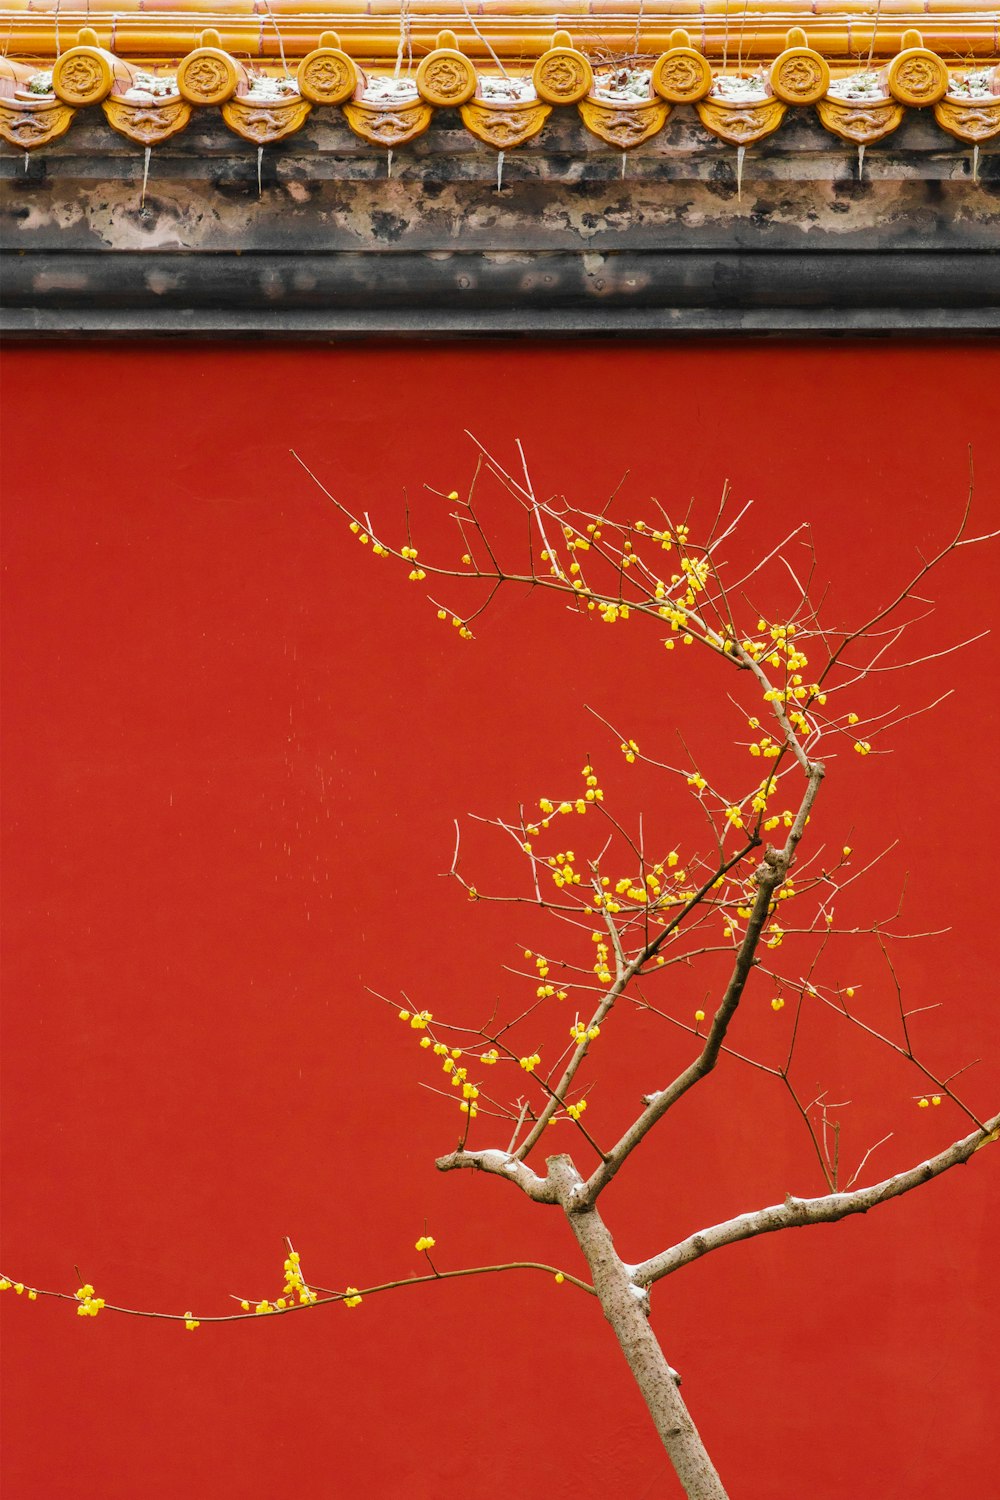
(626, 1308)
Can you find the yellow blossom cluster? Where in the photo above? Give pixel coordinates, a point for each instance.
(563, 872)
(417, 1019)
(90, 1305)
(409, 554)
(549, 807)
(775, 647)
(459, 624)
(601, 968)
(420, 1020)
(593, 792)
(294, 1290)
(580, 1032)
(20, 1289)
(295, 1286)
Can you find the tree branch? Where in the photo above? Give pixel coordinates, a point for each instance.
(796, 1213)
(773, 869)
(500, 1164)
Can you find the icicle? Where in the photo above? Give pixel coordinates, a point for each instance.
(145, 176)
(975, 164)
(27, 158)
(388, 163)
(624, 160)
(861, 162)
(499, 170)
(260, 161)
(741, 152)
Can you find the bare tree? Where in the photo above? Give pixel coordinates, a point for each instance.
(643, 913)
(752, 904)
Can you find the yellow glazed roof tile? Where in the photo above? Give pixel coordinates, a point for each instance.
(268, 63)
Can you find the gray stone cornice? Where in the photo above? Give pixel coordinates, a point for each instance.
(332, 246)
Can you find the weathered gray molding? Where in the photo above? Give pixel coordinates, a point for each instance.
(335, 326)
(333, 247)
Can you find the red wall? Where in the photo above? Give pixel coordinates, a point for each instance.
(234, 748)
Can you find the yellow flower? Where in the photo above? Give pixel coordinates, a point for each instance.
(699, 1015)
(190, 1323)
(352, 1297)
(425, 1242)
(90, 1305)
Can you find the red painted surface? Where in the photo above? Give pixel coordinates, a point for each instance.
(234, 747)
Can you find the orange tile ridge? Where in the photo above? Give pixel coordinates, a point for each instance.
(624, 95)
(842, 31)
